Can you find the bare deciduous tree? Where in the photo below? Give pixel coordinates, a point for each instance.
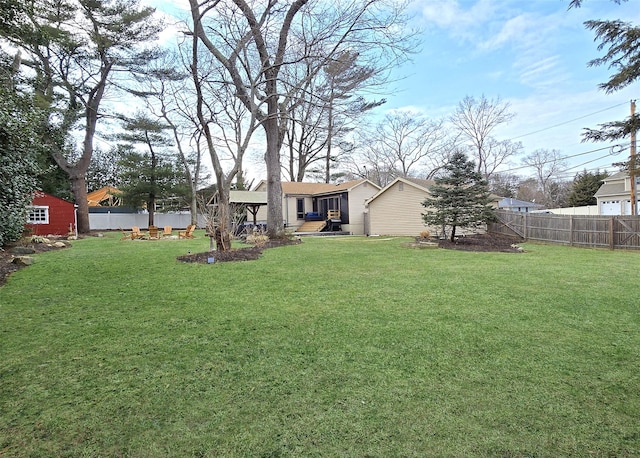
(324, 113)
(475, 120)
(402, 145)
(255, 41)
(548, 165)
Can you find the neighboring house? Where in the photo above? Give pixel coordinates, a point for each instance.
(397, 209)
(515, 205)
(50, 215)
(614, 196)
(311, 202)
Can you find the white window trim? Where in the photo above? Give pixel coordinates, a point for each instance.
(38, 207)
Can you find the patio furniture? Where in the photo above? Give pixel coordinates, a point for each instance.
(126, 235)
(188, 233)
(167, 231)
(153, 232)
(135, 233)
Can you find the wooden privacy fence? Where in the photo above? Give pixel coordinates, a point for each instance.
(586, 231)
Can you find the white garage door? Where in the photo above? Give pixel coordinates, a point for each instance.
(610, 207)
(627, 208)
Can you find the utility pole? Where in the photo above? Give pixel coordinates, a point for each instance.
(632, 162)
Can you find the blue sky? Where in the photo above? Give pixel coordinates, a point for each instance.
(531, 54)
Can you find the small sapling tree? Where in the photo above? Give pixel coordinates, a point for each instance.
(459, 198)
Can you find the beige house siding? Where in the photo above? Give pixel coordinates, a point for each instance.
(290, 210)
(397, 211)
(357, 206)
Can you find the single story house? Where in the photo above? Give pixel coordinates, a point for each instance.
(508, 203)
(50, 215)
(614, 195)
(306, 206)
(397, 209)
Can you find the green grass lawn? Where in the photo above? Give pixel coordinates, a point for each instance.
(335, 347)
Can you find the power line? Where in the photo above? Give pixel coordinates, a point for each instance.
(565, 174)
(569, 122)
(614, 150)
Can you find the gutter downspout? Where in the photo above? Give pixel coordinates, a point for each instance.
(75, 217)
(286, 210)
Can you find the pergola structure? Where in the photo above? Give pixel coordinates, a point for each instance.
(252, 200)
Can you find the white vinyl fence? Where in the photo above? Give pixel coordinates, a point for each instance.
(115, 221)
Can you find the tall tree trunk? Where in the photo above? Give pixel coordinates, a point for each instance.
(193, 206)
(222, 230)
(327, 176)
(275, 222)
(79, 189)
(151, 205)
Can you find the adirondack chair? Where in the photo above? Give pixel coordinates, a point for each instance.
(187, 234)
(153, 232)
(167, 231)
(135, 233)
(126, 235)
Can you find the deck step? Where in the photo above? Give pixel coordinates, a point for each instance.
(312, 226)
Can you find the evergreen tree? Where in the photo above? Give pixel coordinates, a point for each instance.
(585, 185)
(148, 176)
(145, 180)
(77, 53)
(459, 198)
(622, 43)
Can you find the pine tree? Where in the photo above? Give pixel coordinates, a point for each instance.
(622, 43)
(459, 198)
(148, 176)
(585, 185)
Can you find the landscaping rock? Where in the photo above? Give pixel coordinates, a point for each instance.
(22, 250)
(60, 245)
(23, 260)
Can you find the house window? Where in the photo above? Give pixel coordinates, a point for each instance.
(38, 215)
(328, 203)
(300, 208)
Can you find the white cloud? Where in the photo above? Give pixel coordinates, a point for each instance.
(514, 30)
(541, 73)
(450, 15)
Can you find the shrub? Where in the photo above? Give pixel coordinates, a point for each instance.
(258, 238)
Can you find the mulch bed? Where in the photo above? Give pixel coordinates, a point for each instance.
(484, 242)
(237, 254)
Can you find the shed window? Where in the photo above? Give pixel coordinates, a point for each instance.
(38, 215)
